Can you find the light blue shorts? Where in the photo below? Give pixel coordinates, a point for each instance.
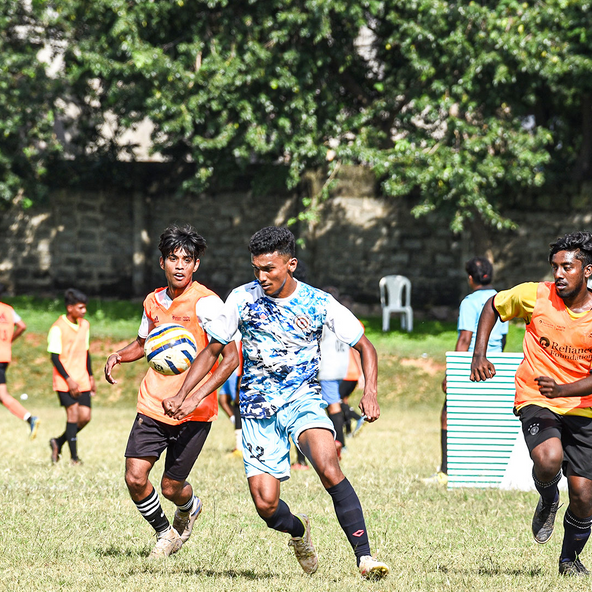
(330, 391)
(266, 442)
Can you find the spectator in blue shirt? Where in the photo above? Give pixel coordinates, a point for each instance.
(480, 272)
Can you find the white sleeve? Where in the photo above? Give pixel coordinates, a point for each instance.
(16, 316)
(224, 327)
(207, 309)
(343, 323)
(144, 328)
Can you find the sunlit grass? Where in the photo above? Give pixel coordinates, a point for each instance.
(75, 528)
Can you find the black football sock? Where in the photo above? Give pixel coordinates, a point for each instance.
(549, 491)
(444, 447)
(284, 521)
(71, 431)
(350, 516)
(337, 420)
(61, 441)
(151, 510)
(577, 533)
(347, 418)
(237, 417)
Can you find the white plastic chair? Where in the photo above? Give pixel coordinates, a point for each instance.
(395, 297)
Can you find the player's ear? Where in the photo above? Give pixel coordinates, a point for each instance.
(588, 271)
(161, 261)
(196, 265)
(292, 264)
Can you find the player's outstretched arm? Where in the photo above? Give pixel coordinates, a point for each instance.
(550, 389)
(369, 403)
(130, 353)
(481, 367)
(174, 406)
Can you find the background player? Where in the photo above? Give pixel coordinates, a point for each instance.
(192, 305)
(553, 388)
(480, 272)
(228, 400)
(333, 367)
(11, 328)
(68, 342)
(281, 321)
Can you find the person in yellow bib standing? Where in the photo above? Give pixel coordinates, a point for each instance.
(68, 342)
(12, 327)
(553, 388)
(191, 305)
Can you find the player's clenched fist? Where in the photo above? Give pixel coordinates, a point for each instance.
(481, 369)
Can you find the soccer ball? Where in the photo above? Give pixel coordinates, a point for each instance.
(170, 349)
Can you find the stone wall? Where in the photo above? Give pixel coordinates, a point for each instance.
(103, 239)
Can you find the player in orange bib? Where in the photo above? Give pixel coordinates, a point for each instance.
(68, 342)
(553, 388)
(192, 305)
(12, 327)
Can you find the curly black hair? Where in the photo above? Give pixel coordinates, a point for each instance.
(580, 241)
(272, 239)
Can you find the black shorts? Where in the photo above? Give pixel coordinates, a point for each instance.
(183, 443)
(3, 367)
(346, 388)
(67, 400)
(575, 432)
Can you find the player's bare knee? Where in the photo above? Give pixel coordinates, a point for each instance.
(171, 489)
(547, 462)
(265, 507)
(580, 503)
(331, 475)
(135, 481)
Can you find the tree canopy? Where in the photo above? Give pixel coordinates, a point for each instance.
(27, 138)
(460, 103)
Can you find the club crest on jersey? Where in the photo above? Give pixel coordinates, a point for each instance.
(544, 341)
(303, 323)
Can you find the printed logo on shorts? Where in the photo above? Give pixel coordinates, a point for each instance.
(358, 533)
(534, 429)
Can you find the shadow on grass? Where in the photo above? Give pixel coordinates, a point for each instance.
(247, 574)
(495, 570)
(143, 552)
(114, 551)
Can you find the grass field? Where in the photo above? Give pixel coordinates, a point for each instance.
(75, 528)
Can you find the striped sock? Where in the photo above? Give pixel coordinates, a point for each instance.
(152, 512)
(186, 507)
